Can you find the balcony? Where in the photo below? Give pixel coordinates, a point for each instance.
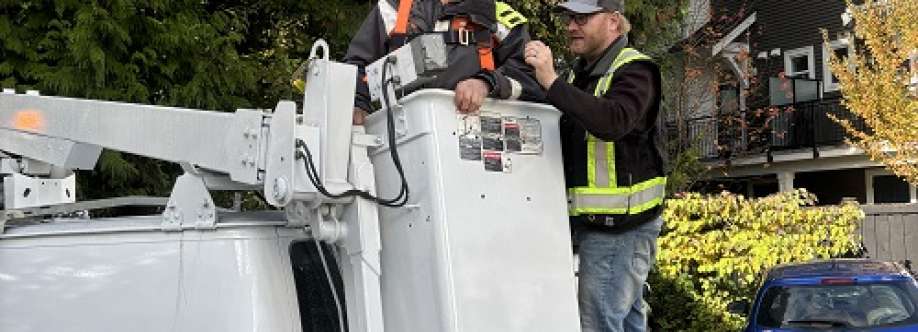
(784, 122)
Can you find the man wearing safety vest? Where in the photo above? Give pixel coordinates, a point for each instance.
(485, 48)
(614, 169)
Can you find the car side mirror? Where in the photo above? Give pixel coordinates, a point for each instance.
(740, 307)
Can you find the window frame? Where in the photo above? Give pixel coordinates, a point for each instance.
(869, 174)
(827, 50)
(807, 51)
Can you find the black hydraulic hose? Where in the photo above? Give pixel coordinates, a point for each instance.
(402, 198)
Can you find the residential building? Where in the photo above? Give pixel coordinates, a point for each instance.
(757, 97)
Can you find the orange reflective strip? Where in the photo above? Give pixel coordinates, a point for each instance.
(401, 21)
(29, 120)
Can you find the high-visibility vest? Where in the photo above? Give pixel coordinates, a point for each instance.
(602, 195)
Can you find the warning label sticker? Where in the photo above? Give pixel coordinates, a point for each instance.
(492, 133)
(530, 136)
(470, 147)
(469, 137)
(512, 139)
(496, 161)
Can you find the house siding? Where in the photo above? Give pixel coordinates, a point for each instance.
(787, 25)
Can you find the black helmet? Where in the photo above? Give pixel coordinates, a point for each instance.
(481, 12)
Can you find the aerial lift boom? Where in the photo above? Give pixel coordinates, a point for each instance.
(464, 253)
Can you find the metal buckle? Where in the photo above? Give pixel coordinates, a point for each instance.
(464, 36)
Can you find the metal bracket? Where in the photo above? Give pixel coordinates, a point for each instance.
(23, 191)
(279, 172)
(326, 226)
(366, 140)
(190, 205)
(322, 220)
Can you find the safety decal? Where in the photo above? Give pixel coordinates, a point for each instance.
(512, 140)
(530, 136)
(492, 137)
(496, 161)
(469, 137)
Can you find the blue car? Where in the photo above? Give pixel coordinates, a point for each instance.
(834, 295)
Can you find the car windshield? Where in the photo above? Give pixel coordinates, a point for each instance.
(839, 306)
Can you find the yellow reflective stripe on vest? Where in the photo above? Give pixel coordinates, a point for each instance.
(508, 16)
(601, 163)
(627, 55)
(602, 194)
(620, 200)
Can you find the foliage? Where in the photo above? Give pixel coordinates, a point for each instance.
(699, 124)
(197, 54)
(684, 170)
(218, 55)
(655, 23)
(715, 250)
(874, 83)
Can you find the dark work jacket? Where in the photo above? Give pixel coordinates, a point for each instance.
(372, 42)
(627, 114)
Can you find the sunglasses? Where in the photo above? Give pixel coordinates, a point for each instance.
(580, 19)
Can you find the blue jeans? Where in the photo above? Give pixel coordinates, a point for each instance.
(613, 269)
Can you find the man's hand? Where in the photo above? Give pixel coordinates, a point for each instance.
(360, 116)
(470, 94)
(539, 56)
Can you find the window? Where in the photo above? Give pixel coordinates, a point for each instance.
(884, 188)
(841, 50)
(890, 189)
(800, 63)
(857, 306)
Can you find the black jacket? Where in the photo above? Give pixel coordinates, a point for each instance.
(372, 42)
(626, 114)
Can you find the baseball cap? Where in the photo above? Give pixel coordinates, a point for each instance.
(591, 6)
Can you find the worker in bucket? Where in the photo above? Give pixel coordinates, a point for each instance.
(485, 48)
(610, 102)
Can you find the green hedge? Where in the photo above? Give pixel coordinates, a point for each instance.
(715, 249)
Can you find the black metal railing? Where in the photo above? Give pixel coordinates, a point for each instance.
(766, 129)
(810, 124)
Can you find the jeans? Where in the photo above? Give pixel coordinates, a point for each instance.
(613, 269)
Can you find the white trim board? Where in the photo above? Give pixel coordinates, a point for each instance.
(732, 35)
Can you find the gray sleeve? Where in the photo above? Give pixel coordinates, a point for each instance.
(368, 45)
(514, 78)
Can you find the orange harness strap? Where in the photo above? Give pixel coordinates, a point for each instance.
(485, 54)
(401, 21)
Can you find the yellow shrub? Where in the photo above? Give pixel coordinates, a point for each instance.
(715, 249)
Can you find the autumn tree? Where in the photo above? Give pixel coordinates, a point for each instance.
(875, 82)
